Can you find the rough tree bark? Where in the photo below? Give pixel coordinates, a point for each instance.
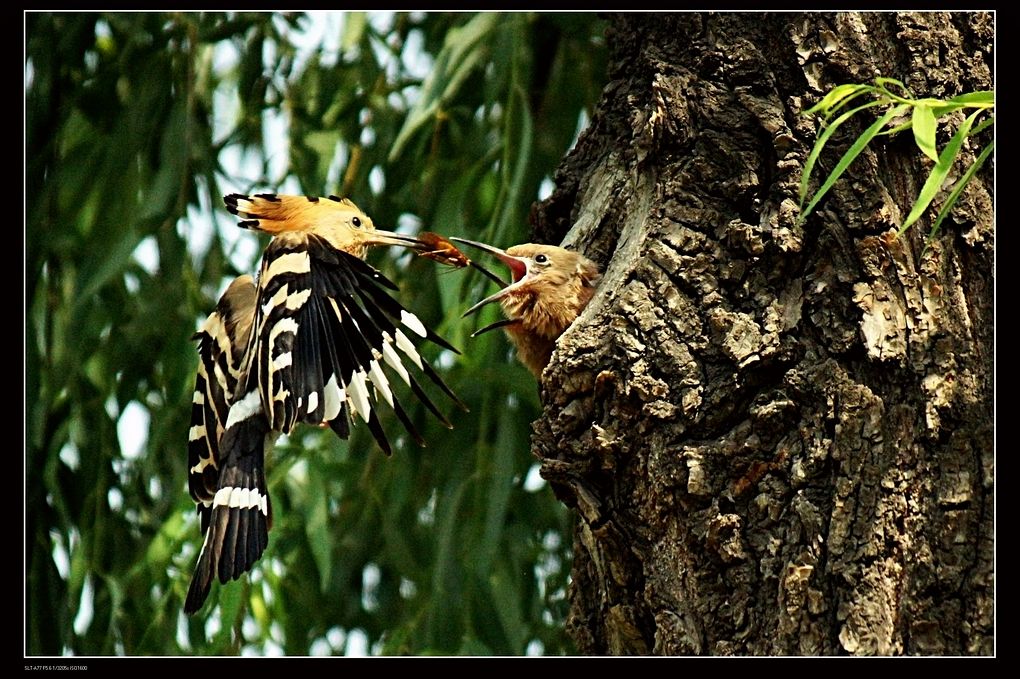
(778, 439)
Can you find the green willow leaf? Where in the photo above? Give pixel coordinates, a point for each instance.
(838, 97)
(820, 144)
(514, 178)
(938, 173)
(852, 153)
(924, 131)
(960, 186)
(984, 124)
(320, 538)
(984, 98)
(462, 51)
(906, 98)
(353, 30)
(892, 131)
(507, 603)
(499, 483)
(108, 257)
(447, 563)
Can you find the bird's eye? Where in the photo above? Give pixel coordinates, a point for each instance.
(541, 259)
(356, 222)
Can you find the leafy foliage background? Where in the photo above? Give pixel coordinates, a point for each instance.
(136, 125)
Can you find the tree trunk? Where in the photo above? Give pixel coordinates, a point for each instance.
(778, 438)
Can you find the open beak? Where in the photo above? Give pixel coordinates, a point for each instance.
(518, 270)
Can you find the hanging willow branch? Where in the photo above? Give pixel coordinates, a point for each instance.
(924, 120)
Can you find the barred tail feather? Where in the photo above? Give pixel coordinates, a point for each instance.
(238, 518)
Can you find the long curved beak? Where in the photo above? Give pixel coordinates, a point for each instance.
(518, 270)
(380, 237)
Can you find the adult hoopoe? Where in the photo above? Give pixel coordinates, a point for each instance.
(551, 286)
(305, 342)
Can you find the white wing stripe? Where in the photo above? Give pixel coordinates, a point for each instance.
(333, 399)
(379, 380)
(291, 262)
(405, 345)
(359, 394)
(283, 325)
(393, 359)
(202, 464)
(298, 299)
(245, 408)
(276, 300)
(411, 321)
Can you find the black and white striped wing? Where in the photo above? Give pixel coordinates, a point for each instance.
(222, 342)
(326, 328)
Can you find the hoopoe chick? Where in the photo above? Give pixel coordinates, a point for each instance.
(551, 286)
